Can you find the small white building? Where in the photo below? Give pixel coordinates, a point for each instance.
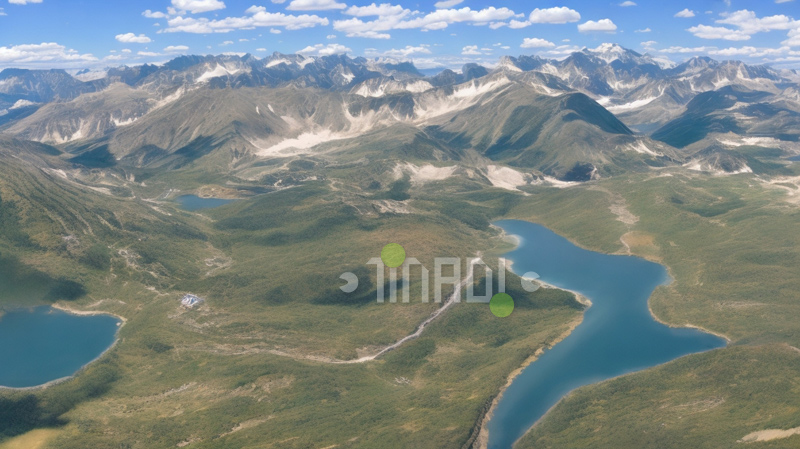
(189, 300)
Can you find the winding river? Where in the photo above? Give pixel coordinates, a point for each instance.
(618, 334)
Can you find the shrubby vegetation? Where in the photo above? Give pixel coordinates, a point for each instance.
(21, 411)
(269, 266)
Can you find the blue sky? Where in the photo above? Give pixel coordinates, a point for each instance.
(447, 33)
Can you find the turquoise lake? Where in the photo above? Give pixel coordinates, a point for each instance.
(42, 344)
(194, 202)
(617, 336)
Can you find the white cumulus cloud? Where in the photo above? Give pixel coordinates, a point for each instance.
(382, 10)
(132, 38)
(154, 14)
(176, 48)
(48, 53)
(686, 13)
(258, 17)
(23, 2)
(325, 50)
(793, 38)
(747, 22)
(197, 6)
(748, 51)
(535, 42)
(470, 50)
(399, 53)
(517, 24)
(437, 20)
(314, 5)
(677, 49)
(709, 32)
(447, 4)
(556, 14)
(602, 25)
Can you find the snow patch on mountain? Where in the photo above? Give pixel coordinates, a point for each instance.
(506, 178)
(708, 168)
(304, 62)
(507, 64)
(216, 72)
(91, 75)
(664, 63)
(171, 98)
(418, 86)
(22, 104)
(275, 62)
(118, 122)
(641, 148)
(755, 141)
(463, 96)
(559, 183)
(369, 89)
(632, 105)
(306, 141)
(55, 136)
(300, 144)
(424, 174)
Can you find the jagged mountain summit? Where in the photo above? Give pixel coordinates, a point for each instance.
(586, 115)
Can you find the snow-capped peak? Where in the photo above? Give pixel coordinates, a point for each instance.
(506, 63)
(608, 52)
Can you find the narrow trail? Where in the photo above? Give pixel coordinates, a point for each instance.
(452, 299)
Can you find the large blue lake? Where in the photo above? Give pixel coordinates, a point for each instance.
(42, 344)
(617, 336)
(194, 202)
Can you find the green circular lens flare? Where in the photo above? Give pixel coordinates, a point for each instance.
(501, 305)
(393, 255)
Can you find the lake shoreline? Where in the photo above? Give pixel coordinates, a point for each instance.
(122, 321)
(88, 312)
(482, 439)
(687, 325)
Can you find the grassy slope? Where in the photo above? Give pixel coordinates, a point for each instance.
(180, 375)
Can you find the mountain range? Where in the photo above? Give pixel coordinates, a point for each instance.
(595, 113)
